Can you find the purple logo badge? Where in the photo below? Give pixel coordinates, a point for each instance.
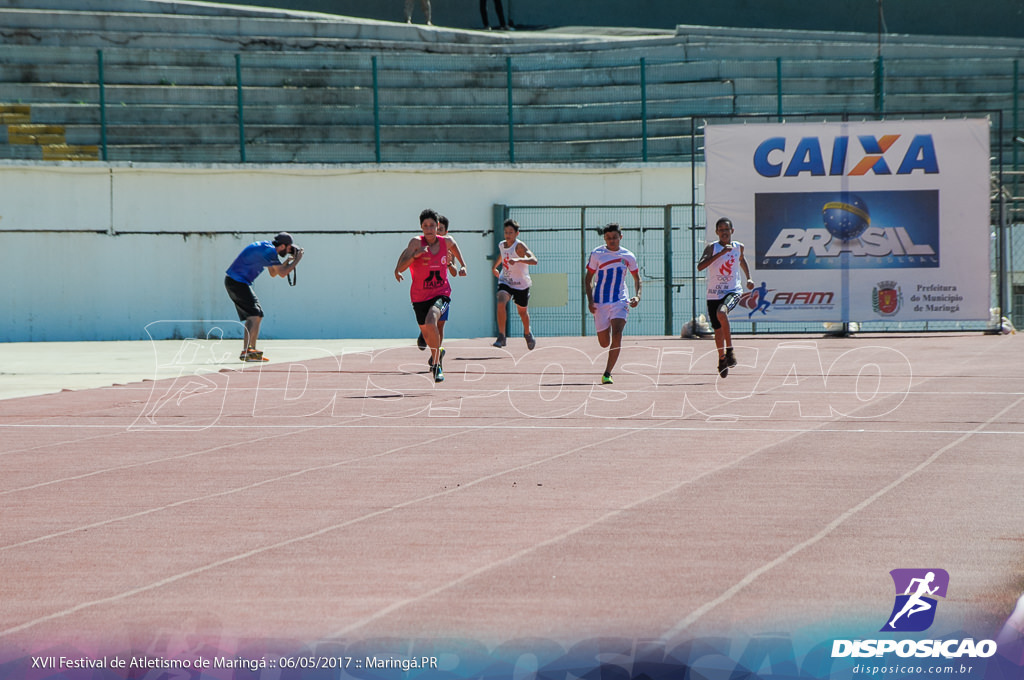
(916, 590)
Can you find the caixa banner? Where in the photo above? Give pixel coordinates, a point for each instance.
(858, 221)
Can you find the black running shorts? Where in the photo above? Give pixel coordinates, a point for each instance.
(423, 308)
(244, 298)
(520, 297)
(729, 302)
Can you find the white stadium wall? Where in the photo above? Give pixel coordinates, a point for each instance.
(128, 252)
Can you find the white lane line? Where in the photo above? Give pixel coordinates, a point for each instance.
(219, 494)
(156, 461)
(285, 543)
(555, 539)
(696, 614)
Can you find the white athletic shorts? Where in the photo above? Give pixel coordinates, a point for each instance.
(604, 314)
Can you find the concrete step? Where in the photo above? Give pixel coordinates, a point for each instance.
(800, 104)
(241, 26)
(798, 35)
(29, 133)
(609, 70)
(295, 73)
(14, 118)
(21, 152)
(689, 96)
(245, 31)
(156, 40)
(627, 149)
(70, 152)
(949, 68)
(159, 153)
(859, 51)
(982, 85)
(864, 103)
(171, 135)
(67, 54)
(472, 88)
(866, 84)
(148, 7)
(948, 102)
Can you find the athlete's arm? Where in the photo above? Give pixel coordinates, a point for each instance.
(588, 288)
(707, 257)
(746, 270)
(411, 252)
(525, 256)
(455, 251)
(635, 300)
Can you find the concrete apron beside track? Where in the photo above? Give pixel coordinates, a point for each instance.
(33, 368)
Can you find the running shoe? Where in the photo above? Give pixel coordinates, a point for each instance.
(723, 367)
(530, 342)
(438, 373)
(252, 355)
(730, 359)
(500, 342)
(440, 358)
(420, 342)
(606, 379)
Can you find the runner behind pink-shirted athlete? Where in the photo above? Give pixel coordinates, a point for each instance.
(427, 257)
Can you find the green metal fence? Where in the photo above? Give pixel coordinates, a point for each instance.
(269, 107)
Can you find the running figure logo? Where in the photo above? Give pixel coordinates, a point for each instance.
(761, 294)
(914, 609)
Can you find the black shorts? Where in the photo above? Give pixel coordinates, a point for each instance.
(423, 308)
(520, 297)
(244, 298)
(729, 302)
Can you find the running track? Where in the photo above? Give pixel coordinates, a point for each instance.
(350, 498)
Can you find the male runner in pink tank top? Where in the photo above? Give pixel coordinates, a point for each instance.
(426, 257)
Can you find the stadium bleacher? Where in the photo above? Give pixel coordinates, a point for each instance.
(147, 81)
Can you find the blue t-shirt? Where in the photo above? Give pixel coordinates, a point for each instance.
(252, 260)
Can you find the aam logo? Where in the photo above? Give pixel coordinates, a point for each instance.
(762, 299)
(773, 159)
(916, 590)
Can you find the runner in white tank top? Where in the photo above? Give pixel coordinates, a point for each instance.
(724, 259)
(513, 271)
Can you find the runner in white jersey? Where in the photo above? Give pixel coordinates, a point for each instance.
(513, 271)
(607, 296)
(725, 259)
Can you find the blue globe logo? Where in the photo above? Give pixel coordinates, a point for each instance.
(846, 217)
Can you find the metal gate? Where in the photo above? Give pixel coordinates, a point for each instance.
(661, 237)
